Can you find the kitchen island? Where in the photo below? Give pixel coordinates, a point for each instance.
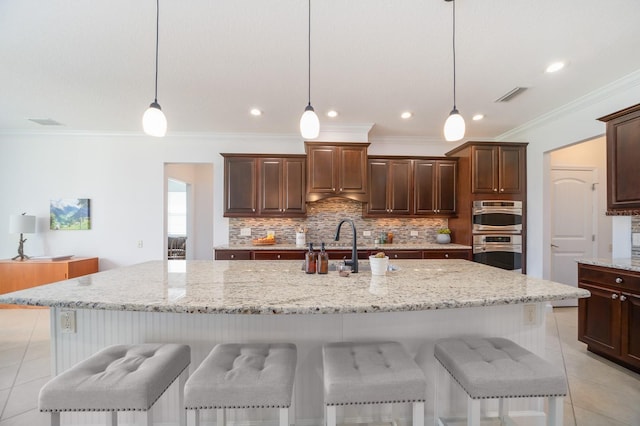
(202, 303)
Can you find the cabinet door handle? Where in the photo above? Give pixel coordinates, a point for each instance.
(446, 255)
(618, 280)
(501, 189)
(623, 298)
(333, 189)
(253, 210)
(233, 256)
(340, 189)
(395, 256)
(278, 256)
(495, 189)
(614, 296)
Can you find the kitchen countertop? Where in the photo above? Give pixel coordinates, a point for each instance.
(626, 263)
(334, 245)
(266, 287)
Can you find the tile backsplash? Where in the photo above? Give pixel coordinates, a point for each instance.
(635, 237)
(322, 219)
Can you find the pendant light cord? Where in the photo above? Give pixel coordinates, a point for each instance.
(454, 54)
(309, 55)
(157, 38)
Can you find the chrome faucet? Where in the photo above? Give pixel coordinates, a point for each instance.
(354, 250)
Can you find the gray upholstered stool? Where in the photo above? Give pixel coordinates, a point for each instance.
(371, 373)
(118, 378)
(499, 368)
(250, 375)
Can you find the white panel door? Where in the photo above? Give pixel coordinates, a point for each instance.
(573, 198)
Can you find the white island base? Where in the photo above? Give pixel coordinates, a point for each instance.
(416, 330)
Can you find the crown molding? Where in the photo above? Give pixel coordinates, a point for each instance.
(620, 85)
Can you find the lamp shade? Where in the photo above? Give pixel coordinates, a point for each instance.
(22, 224)
(154, 122)
(309, 124)
(454, 127)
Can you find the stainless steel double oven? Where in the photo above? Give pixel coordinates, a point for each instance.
(497, 233)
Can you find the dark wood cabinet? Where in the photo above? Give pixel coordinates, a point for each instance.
(282, 186)
(609, 320)
(435, 187)
(260, 185)
(278, 255)
(497, 169)
(488, 171)
(240, 191)
(232, 255)
(411, 186)
(447, 254)
(390, 189)
(623, 157)
(336, 170)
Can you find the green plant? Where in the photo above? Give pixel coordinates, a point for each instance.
(444, 231)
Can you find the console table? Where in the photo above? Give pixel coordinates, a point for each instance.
(18, 275)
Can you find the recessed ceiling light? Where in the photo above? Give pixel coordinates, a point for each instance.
(556, 66)
(478, 117)
(255, 112)
(406, 115)
(332, 113)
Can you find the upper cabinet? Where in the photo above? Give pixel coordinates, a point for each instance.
(240, 191)
(623, 158)
(390, 183)
(411, 187)
(259, 185)
(336, 169)
(435, 187)
(496, 168)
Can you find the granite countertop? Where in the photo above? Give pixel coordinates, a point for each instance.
(626, 263)
(345, 246)
(265, 287)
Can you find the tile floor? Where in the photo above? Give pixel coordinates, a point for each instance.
(600, 393)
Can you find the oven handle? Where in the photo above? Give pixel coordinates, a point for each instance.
(477, 211)
(511, 248)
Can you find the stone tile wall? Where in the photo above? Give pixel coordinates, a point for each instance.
(635, 229)
(322, 219)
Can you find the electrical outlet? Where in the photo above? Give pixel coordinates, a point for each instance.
(68, 321)
(245, 232)
(140, 243)
(414, 233)
(530, 313)
(366, 233)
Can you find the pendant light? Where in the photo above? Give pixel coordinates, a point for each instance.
(154, 122)
(309, 122)
(454, 126)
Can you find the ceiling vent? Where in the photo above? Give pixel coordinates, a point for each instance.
(511, 94)
(45, 121)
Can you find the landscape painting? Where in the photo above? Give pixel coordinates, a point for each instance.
(70, 214)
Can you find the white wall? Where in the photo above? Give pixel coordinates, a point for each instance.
(573, 123)
(123, 175)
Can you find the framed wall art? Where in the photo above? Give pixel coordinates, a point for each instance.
(70, 214)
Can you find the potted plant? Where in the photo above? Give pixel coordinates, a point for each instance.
(444, 236)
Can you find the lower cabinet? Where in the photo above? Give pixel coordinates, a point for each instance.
(232, 255)
(278, 255)
(447, 254)
(609, 320)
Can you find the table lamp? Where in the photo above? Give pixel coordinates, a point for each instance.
(22, 224)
